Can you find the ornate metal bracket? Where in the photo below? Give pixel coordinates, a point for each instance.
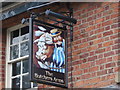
(58, 20)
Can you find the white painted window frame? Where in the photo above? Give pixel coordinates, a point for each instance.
(8, 79)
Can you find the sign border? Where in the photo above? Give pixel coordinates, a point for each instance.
(32, 79)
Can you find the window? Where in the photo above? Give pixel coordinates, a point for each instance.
(17, 58)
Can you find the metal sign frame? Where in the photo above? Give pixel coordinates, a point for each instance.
(41, 75)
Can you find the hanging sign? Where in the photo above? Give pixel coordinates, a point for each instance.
(48, 55)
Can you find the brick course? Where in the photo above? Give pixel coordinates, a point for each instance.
(2, 59)
(95, 46)
(96, 43)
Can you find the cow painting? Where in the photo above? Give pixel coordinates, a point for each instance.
(50, 53)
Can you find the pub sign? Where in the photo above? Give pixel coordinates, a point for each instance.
(48, 54)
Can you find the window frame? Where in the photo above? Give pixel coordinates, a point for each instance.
(9, 62)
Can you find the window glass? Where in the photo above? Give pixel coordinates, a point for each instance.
(14, 37)
(16, 68)
(24, 49)
(24, 33)
(25, 66)
(34, 84)
(14, 52)
(16, 82)
(26, 82)
(19, 47)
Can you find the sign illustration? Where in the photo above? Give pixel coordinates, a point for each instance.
(49, 55)
(50, 49)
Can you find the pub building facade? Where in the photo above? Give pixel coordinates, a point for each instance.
(92, 52)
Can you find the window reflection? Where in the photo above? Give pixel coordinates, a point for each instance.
(16, 82)
(24, 49)
(24, 37)
(34, 84)
(14, 37)
(19, 47)
(24, 33)
(25, 66)
(16, 68)
(26, 83)
(14, 52)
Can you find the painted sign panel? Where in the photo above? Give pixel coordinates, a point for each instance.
(48, 61)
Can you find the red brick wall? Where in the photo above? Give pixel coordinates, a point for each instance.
(95, 45)
(2, 59)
